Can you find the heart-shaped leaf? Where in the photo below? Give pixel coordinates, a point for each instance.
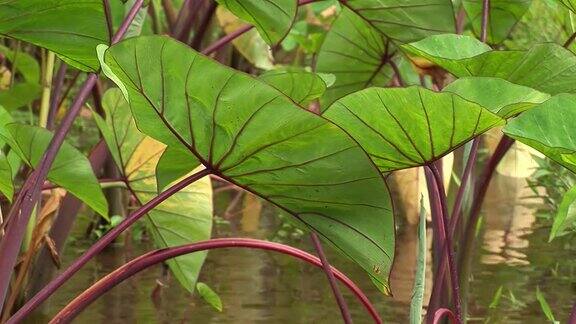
(407, 127)
(185, 217)
(503, 16)
(272, 18)
(549, 129)
(497, 95)
(301, 86)
(356, 53)
(406, 21)
(70, 170)
(70, 28)
(253, 136)
(548, 67)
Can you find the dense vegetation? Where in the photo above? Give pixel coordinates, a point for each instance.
(309, 105)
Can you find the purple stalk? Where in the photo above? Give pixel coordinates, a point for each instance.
(203, 27)
(30, 194)
(485, 17)
(572, 318)
(437, 288)
(239, 32)
(100, 245)
(186, 12)
(333, 284)
(440, 205)
(44, 266)
(226, 39)
(56, 93)
(439, 314)
(469, 237)
(131, 268)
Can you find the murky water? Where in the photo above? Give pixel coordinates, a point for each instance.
(261, 287)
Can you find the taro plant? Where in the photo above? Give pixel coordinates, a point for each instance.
(312, 119)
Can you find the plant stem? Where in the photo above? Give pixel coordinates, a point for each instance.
(203, 27)
(71, 310)
(46, 89)
(56, 93)
(44, 266)
(570, 40)
(333, 284)
(485, 17)
(101, 244)
(440, 205)
(226, 39)
(439, 314)
(30, 193)
(170, 14)
(455, 217)
(572, 318)
(108, 14)
(468, 239)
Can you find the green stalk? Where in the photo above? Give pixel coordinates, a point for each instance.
(46, 88)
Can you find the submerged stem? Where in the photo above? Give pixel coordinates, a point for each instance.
(71, 310)
(333, 284)
(441, 207)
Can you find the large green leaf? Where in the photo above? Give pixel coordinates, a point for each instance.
(70, 28)
(566, 215)
(185, 217)
(497, 95)
(405, 21)
(19, 95)
(301, 86)
(503, 16)
(70, 170)
(406, 127)
(251, 135)
(548, 68)
(549, 128)
(356, 53)
(272, 18)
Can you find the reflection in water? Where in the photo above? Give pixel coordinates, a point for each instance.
(262, 287)
(508, 218)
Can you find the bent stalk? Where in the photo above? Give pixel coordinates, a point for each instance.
(131, 268)
(333, 284)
